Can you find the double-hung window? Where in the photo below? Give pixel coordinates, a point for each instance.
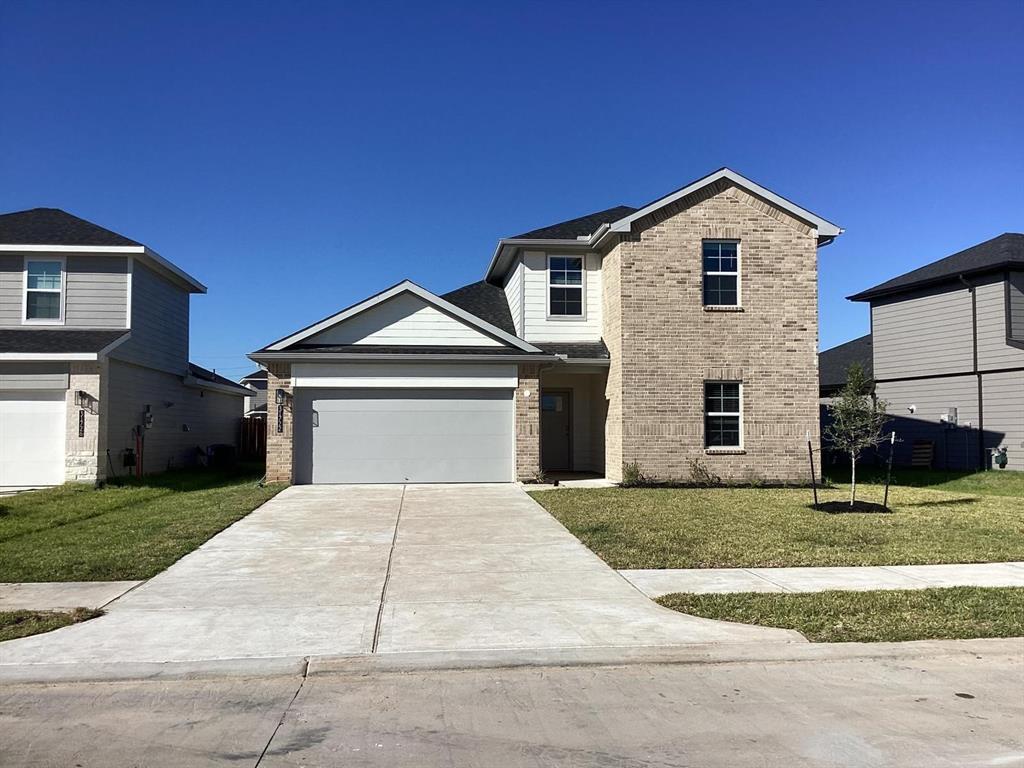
(44, 289)
(721, 273)
(565, 286)
(723, 418)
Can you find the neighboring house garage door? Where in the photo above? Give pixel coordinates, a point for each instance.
(404, 435)
(32, 438)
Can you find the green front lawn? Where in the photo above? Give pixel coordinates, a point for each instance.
(769, 527)
(881, 616)
(998, 482)
(14, 624)
(125, 531)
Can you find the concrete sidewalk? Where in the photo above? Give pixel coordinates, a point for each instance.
(658, 582)
(61, 595)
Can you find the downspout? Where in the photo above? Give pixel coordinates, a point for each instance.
(982, 464)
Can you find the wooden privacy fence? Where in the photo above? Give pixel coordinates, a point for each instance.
(254, 437)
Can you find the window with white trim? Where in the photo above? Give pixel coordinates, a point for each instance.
(565, 286)
(723, 420)
(44, 288)
(721, 273)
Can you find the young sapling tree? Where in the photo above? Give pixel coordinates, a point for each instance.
(858, 419)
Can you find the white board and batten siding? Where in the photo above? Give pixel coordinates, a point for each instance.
(537, 325)
(405, 320)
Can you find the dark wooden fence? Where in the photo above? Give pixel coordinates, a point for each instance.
(254, 438)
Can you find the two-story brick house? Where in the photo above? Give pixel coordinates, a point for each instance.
(684, 329)
(94, 372)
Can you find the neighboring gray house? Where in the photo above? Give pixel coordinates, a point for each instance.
(256, 401)
(947, 350)
(94, 372)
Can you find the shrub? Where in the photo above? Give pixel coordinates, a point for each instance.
(633, 476)
(701, 476)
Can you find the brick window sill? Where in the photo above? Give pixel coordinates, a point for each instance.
(721, 308)
(725, 452)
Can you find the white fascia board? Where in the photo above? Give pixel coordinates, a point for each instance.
(406, 286)
(13, 248)
(147, 255)
(308, 357)
(825, 228)
(193, 285)
(47, 356)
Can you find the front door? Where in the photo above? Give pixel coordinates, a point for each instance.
(556, 429)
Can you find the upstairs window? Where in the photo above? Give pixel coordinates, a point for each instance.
(722, 415)
(44, 287)
(565, 286)
(721, 273)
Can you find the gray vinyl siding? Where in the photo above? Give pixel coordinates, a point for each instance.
(923, 334)
(954, 448)
(1017, 305)
(212, 417)
(1004, 414)
(159, 323)
(260, 396)
(33, 376)
(993, 351)
(95, 290)
(11, 284)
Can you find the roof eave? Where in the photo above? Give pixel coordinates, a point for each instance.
(301, 357)
(508, 246)
(876, 293)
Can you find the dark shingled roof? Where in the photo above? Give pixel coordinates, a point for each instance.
(591, 350)
(833, 363)
(56, 342)
(52, 226)
(486, 301)
(1003, 252)
(204, 374)
(573, 228)
(387, 349)
(260, 374)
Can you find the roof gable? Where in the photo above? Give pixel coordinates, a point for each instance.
(1003, 252)
(402, 316)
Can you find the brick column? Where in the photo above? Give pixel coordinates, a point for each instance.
(279, 444)
(528, 423)
(85, 458)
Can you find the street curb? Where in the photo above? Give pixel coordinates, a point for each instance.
(362, 665)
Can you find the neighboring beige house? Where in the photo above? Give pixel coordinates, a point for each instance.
(94, 372)
(682, 330)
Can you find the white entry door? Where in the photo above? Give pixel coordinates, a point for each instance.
(32, 427)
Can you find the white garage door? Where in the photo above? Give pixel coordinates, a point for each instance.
(404, 435)
(31, 438)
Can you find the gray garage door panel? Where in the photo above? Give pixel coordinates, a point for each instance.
(395, 436)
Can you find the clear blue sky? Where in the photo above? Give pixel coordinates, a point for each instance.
(298, 156)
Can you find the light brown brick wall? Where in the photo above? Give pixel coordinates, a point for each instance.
(85, 459)
(279, 444)
(528, 422)
(664, 345)
(611, 331)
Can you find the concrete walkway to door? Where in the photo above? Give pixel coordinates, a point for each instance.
(348, 570)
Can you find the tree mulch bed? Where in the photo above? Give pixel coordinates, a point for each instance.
(839, 507)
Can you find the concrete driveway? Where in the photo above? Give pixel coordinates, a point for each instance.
(348, 570)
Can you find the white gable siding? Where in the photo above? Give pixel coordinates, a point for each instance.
(404, 320)
(514, 295)
(537, 325)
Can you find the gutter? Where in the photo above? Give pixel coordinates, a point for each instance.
(350, 357)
